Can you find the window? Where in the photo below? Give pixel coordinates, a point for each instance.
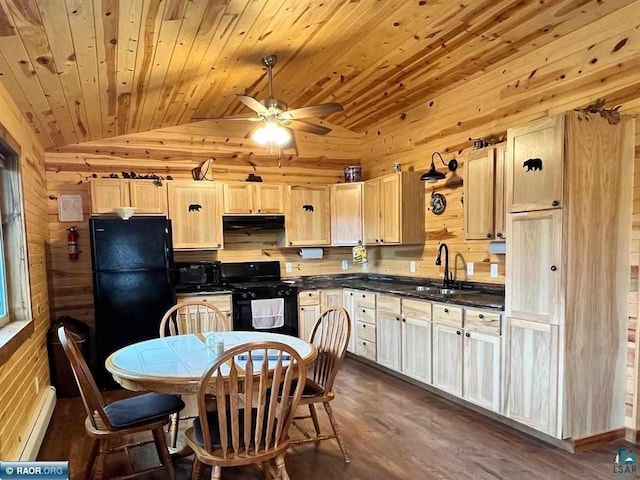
(4, 310)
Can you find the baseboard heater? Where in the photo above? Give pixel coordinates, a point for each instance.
(39, 425)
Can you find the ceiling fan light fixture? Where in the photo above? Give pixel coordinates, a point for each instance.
(271, 132)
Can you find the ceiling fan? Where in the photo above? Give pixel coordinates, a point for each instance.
(276, 122)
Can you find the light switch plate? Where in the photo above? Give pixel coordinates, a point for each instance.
(412, 267)
(494, 270)
(345, 264)
(469, 268)
(289, 267)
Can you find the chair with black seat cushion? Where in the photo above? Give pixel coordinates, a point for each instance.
(330, 335)
(254, 400)
(108, 423)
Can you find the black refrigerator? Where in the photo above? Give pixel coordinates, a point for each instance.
(132, 282)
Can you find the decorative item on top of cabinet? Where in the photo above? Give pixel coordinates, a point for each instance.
(535, 159)
(146, 196)
(307, 219)
(394, 210)
(346, 214)
(195, 210)
(252, 198)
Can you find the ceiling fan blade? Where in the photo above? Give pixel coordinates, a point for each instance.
(312, 111)
(253, 104)
(246, 119)
(307, 127)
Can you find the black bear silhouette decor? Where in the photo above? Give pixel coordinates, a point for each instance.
(308, 208)
(532, 164)
(195, 207)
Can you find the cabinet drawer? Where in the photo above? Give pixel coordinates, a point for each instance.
(447, 315)
(481, 321)
(309, 297)
(365, 299)
(366, 315)
(366, 331)
(416, 309)
(223, 302)
(366, 349)
(388, 304)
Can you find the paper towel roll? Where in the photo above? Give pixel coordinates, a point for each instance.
(310, 253)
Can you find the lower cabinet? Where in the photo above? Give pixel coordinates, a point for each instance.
(531, 374)
(416, 349)
(349, 304)
(331, 298)
(447, 358)
(388, 338)
(307, 316)
(223, 302)
(482, 369)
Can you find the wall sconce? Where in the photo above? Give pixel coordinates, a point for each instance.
(432, 176)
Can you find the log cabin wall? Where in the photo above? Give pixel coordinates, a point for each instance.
(25, 374)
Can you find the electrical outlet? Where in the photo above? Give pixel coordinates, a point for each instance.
(36, 382)
(365, 266)
(412, 267)
(469, 269)
(289, 267)
(494, 270)
(345, 264)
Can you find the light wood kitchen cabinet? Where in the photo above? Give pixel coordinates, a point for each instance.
(331, 298)
(389, 332)
(346, 214)
(222, 301)
(500, 206)
(349, 304)
(531, 373)
(479, 194)
(393, 211)
(147, 197)
(535, 165)
(252, 198)
(416, 340)
(307, 219)
(534, 260)
(447, 358)
(482, 366)
(307, 317)
(195, 209)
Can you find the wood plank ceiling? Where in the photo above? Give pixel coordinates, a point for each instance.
(83, 70)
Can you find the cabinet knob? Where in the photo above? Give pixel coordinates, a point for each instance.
(397, 319)
(404, 319)
(301, 308)
(310, 294)
(381, 240)
(553, 268)
(219, 245)
(458, 332)
(364, 326)
(364, 343)
(488, 235)
(363, 311)
(250, 211)
(499, 234)
(364, 295)
(446, 310)
(290, 243)
(481, 316)
(351, 294)
(555, 203)
(467, 334)
(259, 210)
(377, 241)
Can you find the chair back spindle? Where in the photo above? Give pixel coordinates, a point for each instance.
(193, 317)
(330, 335)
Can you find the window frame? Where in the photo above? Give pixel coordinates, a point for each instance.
(4, 296)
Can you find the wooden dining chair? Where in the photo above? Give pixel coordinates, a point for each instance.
(255, 400)
(108, 423)
(194, 317)
(330, 335)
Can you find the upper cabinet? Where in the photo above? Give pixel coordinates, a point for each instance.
(535, 156)
(252, 198)
(195, 209)
(346, 214)
(394, 209)
(147, 197)
(500, 206)
(307, 219)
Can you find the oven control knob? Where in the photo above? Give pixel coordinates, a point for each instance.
(244, 295)
(253, 295)
(280, 293)
(287, 293)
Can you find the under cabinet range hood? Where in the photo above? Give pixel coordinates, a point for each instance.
(252, 222)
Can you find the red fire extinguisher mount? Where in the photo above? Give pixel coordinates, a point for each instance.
(72, 243)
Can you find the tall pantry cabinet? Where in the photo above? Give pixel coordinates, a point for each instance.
(569, 190)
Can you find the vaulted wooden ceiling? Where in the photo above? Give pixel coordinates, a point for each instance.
(84, 70)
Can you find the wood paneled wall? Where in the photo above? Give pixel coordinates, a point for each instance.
(28, 366)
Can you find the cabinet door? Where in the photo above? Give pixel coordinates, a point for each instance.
(388, 338)
(371, 212)
(479, 172)
(148, 198)
(307, 317)
(308, 216)
(238, 198)
(534, 265)
(482, 369)
(390, 220)
(349, 304)
(535, 165)
(499, 226)
(268, 199)
(531, 374)
(416, 349)
(107, 194)
(330, 298)
(346, 214)
(447, 359)
(195, 209)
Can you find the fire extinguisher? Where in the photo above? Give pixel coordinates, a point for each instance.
(72, 243)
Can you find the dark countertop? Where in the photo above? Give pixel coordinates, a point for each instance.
(209, 291)
(475, 294)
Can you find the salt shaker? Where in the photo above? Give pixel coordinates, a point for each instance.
(218, 348)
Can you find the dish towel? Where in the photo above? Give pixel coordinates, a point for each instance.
(267, 313)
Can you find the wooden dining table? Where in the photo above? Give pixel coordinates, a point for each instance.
(176, 364)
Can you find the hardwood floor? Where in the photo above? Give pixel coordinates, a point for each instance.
(393, 430)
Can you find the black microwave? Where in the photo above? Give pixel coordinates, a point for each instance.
(196, 276)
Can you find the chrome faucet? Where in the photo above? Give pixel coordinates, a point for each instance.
(447, 276)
